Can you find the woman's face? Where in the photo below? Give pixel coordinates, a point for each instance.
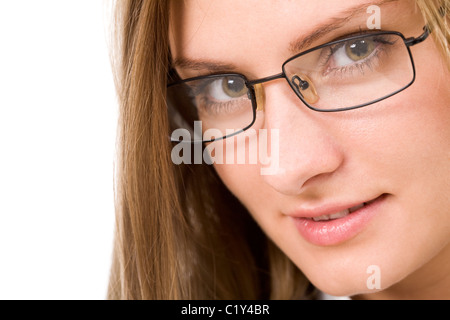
(389, 161)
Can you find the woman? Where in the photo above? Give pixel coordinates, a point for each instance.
(358, 98)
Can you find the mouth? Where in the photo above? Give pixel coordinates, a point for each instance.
(331, 225)
(342, 213)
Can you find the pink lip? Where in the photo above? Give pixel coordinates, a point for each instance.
(332, 232)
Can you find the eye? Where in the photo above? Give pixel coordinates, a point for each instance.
(227, 88)
(354, 51)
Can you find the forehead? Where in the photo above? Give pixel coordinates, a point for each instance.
(236, 30)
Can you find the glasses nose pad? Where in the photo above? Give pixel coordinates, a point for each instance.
(260, 97)
(305, 88)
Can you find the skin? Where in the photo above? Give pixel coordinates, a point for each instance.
(399, 146)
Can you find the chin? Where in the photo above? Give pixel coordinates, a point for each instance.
(359, 269)
(352, 282)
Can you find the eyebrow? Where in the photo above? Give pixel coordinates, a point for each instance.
(336, 23)
(295, 46)
(198, 65)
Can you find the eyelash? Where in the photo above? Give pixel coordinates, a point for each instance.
(216, 108)
(367, 62)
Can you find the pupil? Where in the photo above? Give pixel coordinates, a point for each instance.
(359, 48)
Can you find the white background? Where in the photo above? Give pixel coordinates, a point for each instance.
(58, 116)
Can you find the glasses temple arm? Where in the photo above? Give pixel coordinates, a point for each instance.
(413, 41)
(426, 32)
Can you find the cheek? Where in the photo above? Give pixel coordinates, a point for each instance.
(404, 141)
(247, 184)
(262, 203)
(418, 134)
(243, 180)
(238, 164)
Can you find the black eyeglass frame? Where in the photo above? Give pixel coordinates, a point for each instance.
(250, 84)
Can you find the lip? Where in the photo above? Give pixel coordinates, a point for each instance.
(333, 232)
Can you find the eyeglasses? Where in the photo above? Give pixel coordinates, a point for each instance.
(341, 75)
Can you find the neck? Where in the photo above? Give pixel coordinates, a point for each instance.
(431, 281)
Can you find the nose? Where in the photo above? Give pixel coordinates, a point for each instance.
(306, 149)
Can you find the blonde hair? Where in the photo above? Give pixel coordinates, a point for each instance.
(180, 234)
(435, 14)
